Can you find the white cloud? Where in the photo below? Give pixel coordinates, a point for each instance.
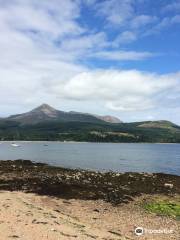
(44, 18)
(81, 45)
(124, 38)
(123, 55)
(175, 6)
(120, 90)
(124, 14)
(166, 22)
(116, 12)
(132, 21)
(142, 20)
(175, 19)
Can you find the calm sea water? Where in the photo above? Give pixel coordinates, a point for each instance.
(121, 157)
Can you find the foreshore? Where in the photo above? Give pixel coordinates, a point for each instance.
(80, 184)
(81, 204)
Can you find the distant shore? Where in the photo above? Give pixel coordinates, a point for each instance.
(46, 141)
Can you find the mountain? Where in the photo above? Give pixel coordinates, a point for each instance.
(48, 113)
(39, 114)
(109, 119)
(47, 123)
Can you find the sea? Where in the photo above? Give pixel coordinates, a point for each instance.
(116, 157)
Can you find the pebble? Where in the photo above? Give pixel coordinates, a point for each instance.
(169, 185)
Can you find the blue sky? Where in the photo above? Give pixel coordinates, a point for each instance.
(119, 57)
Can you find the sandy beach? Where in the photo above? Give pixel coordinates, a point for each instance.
(29, 216)
(42, 202)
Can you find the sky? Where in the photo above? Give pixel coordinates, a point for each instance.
(108, 57)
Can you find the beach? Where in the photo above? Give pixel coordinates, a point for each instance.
(38, 201)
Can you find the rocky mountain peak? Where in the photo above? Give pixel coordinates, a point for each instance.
(45, 109)
(45, 112)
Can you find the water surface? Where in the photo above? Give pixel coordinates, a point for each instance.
(120, 157)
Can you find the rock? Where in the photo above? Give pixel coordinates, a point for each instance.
(54, 230)
(96, 210)
(14, 236)
(118, 174)
(69, 184)
(86, 182)
(169, 185)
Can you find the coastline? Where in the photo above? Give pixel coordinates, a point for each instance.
(44, 141)
(112, 187)
(39, 201)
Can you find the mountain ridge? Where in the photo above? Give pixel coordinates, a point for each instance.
(45, 123)
(45, 112)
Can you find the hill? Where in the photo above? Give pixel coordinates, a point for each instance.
(47, 113)
(47, 123)
(158, 124)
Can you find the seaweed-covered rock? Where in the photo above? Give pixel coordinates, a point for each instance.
(68, 183)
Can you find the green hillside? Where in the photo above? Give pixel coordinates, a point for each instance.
(157, 131)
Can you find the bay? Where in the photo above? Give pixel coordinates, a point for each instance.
(118, 157)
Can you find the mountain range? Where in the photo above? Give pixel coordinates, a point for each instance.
(47, 113)
(48, 123)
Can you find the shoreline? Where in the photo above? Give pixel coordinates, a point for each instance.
(79, 169)
(42, 141)
(39, 201)
(113, 187)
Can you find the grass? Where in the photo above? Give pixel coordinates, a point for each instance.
(166, 208)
